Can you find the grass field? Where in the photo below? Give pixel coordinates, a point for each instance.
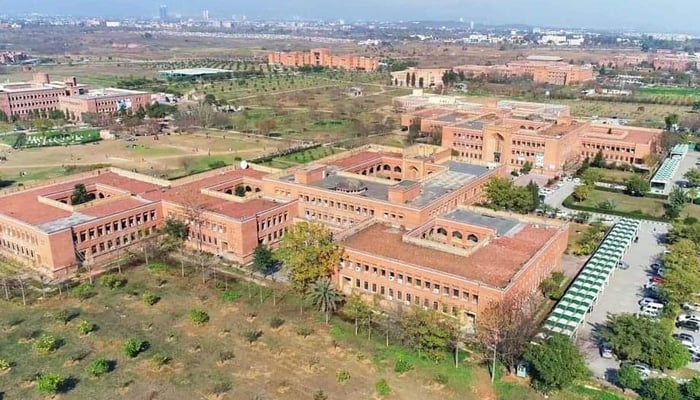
(651, 115)
(669, 91)
(630, 204)
(613, 175)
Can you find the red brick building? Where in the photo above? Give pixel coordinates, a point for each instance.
(323, 58)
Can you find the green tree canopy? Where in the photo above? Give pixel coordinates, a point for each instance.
(503, 195)
(598, 160)
(643, 339)
(582, 192)
(691, 389)
(556, 363)
(175, 229)
(263, 259)
(591, 176)
(324, 295)
(307, 252)
(682, 279)
(693, 176)
(628, 377)
(428, 333)
(636, 186)
(80, 195)
(661, 389)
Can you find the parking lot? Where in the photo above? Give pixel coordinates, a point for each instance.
(622, 295)
(688, 163)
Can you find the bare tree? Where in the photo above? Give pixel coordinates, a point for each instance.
(194, 209)
(505, 328)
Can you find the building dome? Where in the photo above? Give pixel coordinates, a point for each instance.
(350, 186)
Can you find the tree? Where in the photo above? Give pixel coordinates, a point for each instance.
(49, 383)
(506, 327)
(598, 160)
(210, 99)
(691, 389)
(677, 199)
(428, 333)
(591, 176)
(671, 120)
(323, 295)
(503, 195)
(636, 186)
(681, 230)
(80, 195)
(176, 233)
(582, 192)
(643, 339)
(534, 190)
(693, 176)
(556, 363)
(43, 125)
(240, 191)
(682, 280)
(307, 252)
(526, 168)
(263, 260)
(661, 389)
(357, 310)
(3, 116)
(628, 377)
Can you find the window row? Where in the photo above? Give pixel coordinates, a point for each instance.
(608, 148)
(114, 226)
(110, 244)
(272, 221)
(18, 249)
(419, 283)
(18, 234)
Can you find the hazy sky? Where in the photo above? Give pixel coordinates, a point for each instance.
(660, 15)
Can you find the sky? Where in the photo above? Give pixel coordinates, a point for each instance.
(648, 15)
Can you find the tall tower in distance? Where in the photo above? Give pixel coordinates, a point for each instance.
(205, 15)
(163, 13)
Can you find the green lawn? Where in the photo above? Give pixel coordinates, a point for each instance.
(613, 175)
(670, 91)
(625, 203)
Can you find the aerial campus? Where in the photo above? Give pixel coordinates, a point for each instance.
(195, 205)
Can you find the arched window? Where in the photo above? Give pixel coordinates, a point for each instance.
(473, 238)
(248, 189)
(397, 169)
(457, 235)
(387, 167)
(442, 231)
(257, 189)
(229, 191)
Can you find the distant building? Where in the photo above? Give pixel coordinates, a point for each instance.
(196, 73)
(512, 133)
(666, 61)
(323, 58)
(542, 69)
(19, 100)
(163, 13)
(418, 77)
(104, 101)
(13, 57)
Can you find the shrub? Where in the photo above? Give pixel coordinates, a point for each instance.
(382, 388)
(112, 281)
(150, 299)
(132, 347)
(63, 316)
(276, 322)
(49, 383)
(4, 365)
(342, 376)
(402, 366)
(99, 367)
(226, 356)
(157, 267)
(441, 379)
(230, 296)
(83, 291)
(304, 330)
(85, 327)
(159, 359)
(252, 335)
(46, 344)
(199, 317)
(320, 395)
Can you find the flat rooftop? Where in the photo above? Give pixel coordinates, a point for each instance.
(16, 87)
(109, 92)
(195, 71)
(361, 158)
(494, 264)
(458, 175)
(499, 224)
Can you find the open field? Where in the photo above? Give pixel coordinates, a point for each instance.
(669, 91)
(651, 115)
(613, 175)
(176, 154)
(645, 205)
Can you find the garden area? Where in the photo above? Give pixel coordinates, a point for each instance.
(302, 157)
(618, 203)
(51, 138)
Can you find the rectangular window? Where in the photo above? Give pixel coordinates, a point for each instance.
(419, 283)
(465, 295)
(455, 292)
(475, 299)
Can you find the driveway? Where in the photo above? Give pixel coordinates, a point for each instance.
(621, 295)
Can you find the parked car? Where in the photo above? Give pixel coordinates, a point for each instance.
(648, 313)
(651, 285)
(694, 356)
(660, 272)
(644, 370)
(655, 267)
(691, 306)
(693, 326)
(606, 351)
(684, 337)
(657, 279)
(647, 300)
(688, 317)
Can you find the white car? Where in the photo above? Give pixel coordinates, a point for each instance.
(577, 180)
(651, 285)
(647, 313)
(688, 317)
(647, 300)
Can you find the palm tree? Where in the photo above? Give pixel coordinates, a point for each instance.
(325, 296)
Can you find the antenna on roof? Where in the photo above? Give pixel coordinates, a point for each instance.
(244, 164)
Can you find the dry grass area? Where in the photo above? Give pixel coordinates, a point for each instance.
(211, 361)
(176, 154)
(638, 114)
